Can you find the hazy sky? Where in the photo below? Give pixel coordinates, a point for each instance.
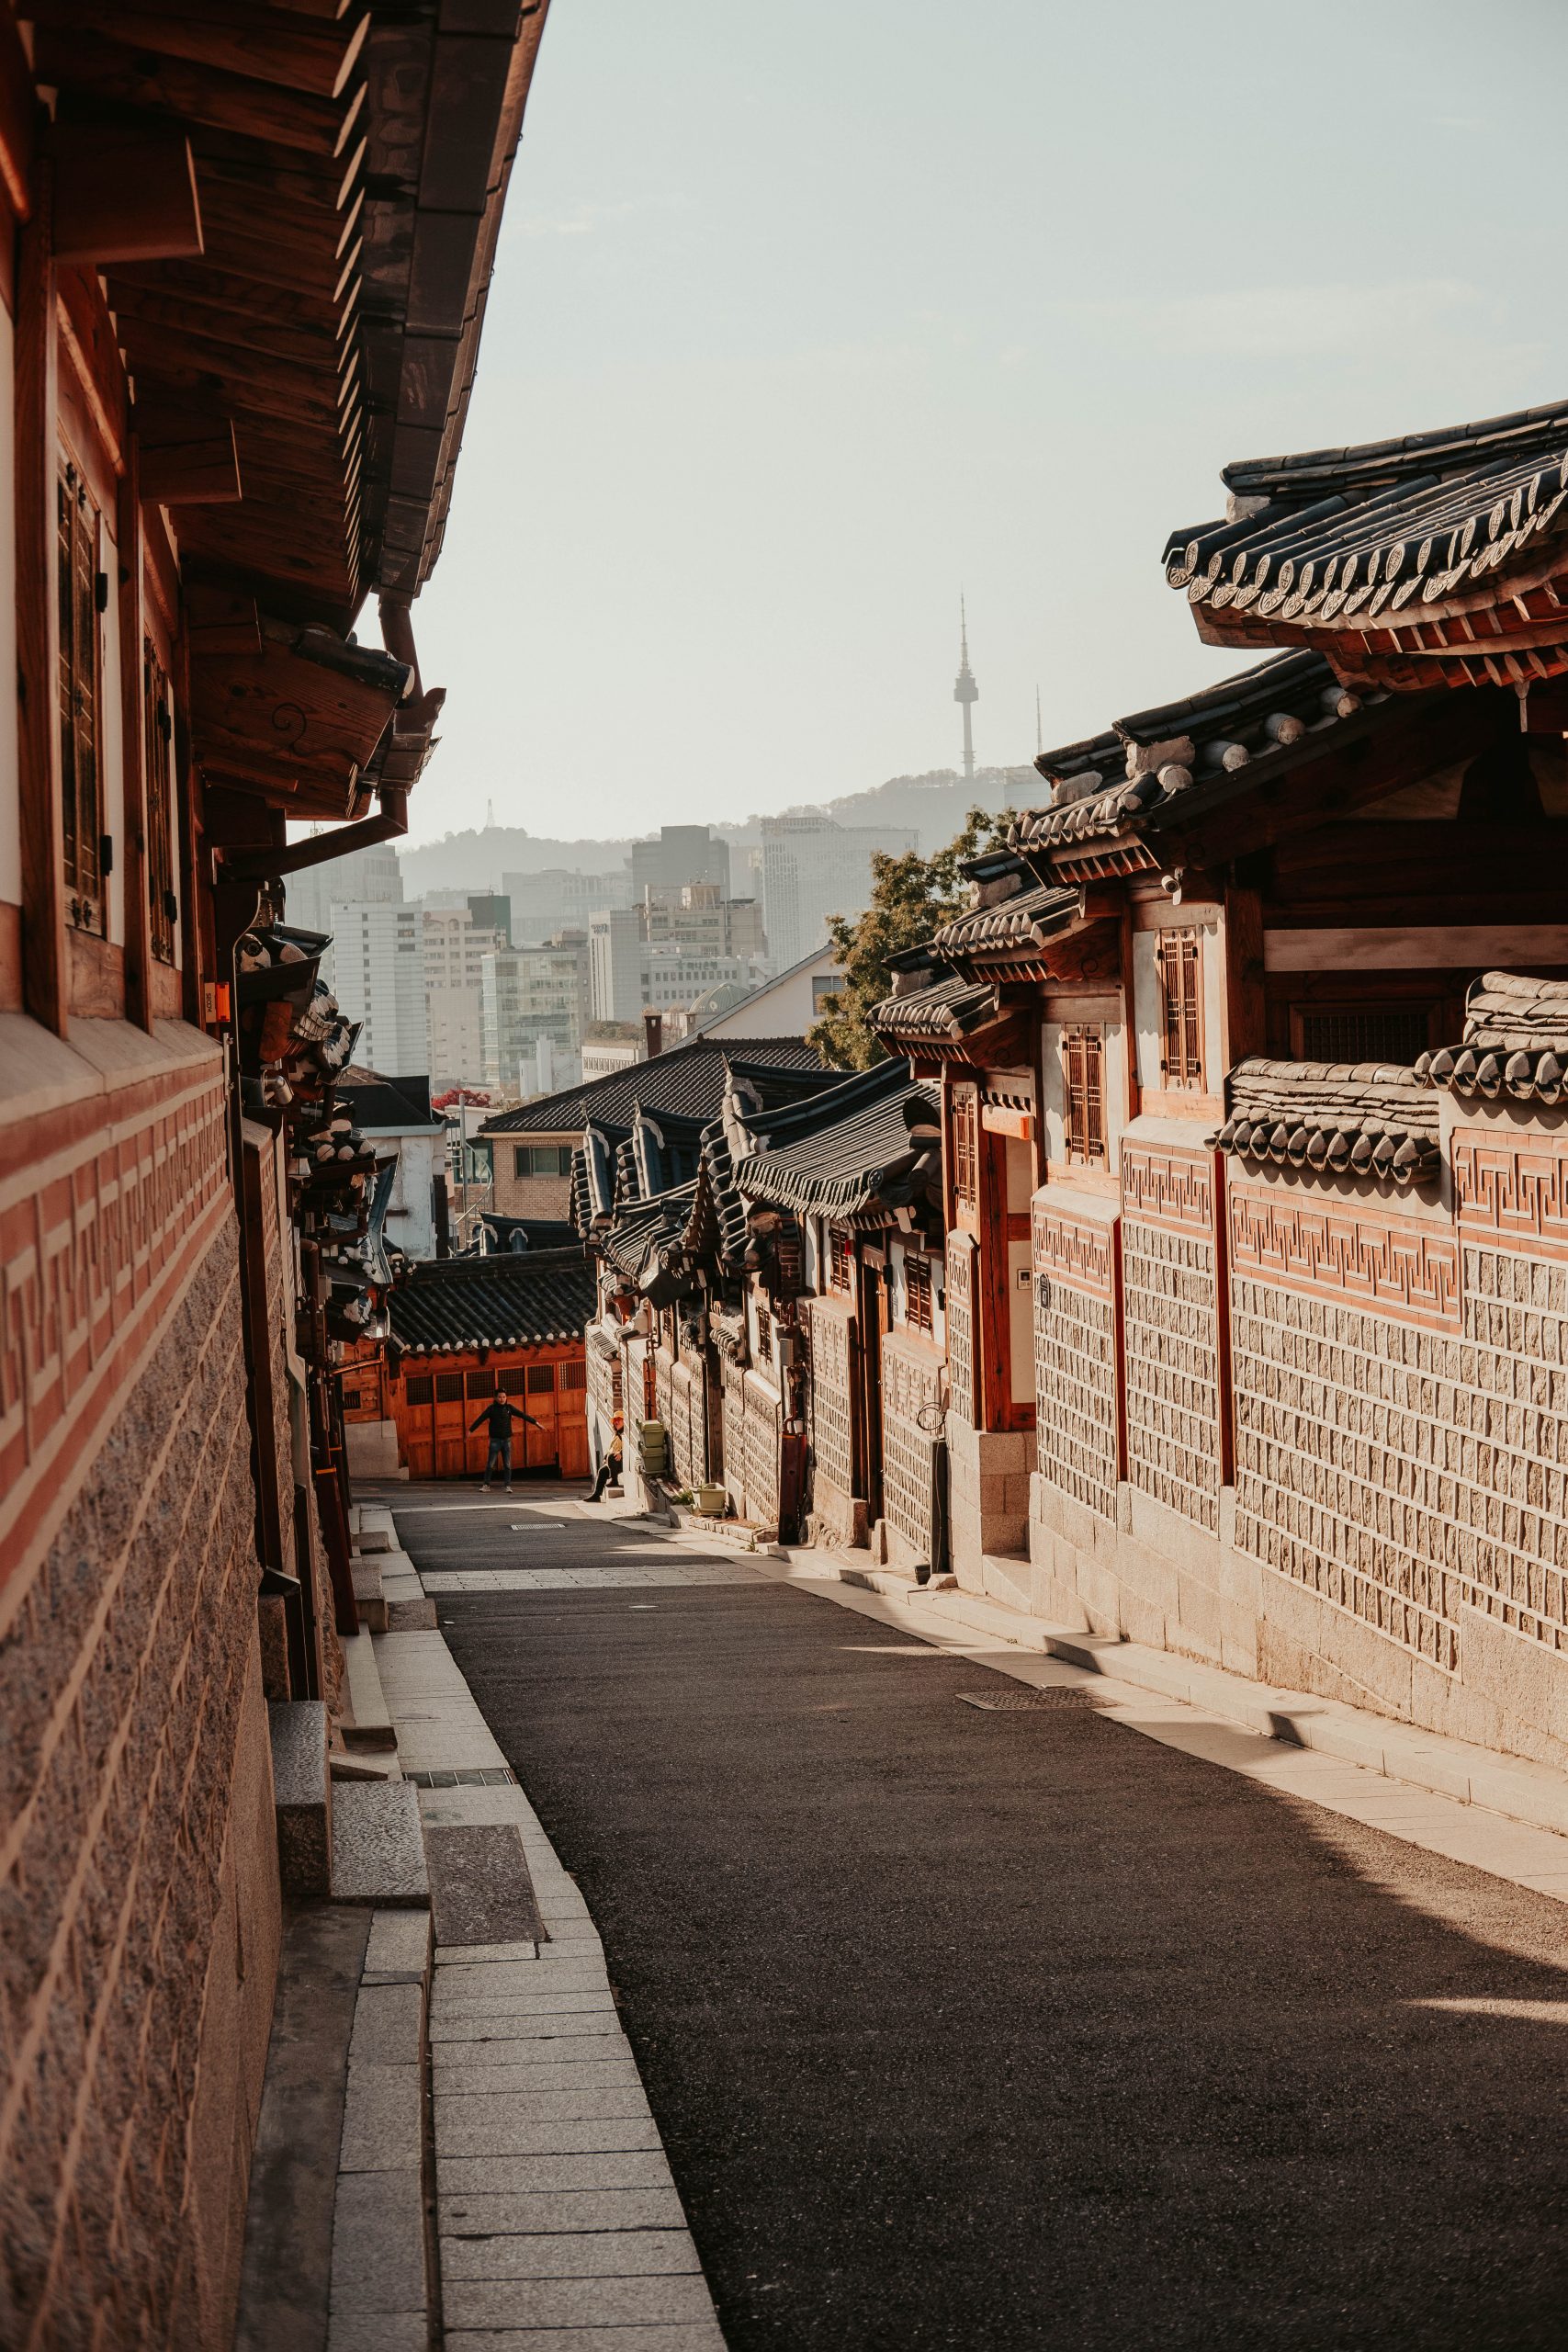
(803, 317)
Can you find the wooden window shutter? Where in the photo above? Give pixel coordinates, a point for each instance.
(1083, 1071)
(1177, 959)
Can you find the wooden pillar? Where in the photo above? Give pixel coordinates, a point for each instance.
(45, 978)
(132, 729)
(1247, 1018)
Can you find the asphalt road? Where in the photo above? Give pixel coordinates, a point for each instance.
(1016, 2030)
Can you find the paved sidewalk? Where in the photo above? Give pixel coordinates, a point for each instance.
(1057, 2025)
(560, 2228)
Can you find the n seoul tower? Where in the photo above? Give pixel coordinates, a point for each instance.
(965, 692)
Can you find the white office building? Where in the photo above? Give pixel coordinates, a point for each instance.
(379, 977)
(813, 868)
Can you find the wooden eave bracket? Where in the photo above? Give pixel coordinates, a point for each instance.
(123, 192)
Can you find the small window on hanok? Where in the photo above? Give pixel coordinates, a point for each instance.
(840, 1257)
(918, 1291)
(448, 1388)
(965, 1150)
(510, 1384)
(574, 1376)
(420, 1388)
(481, 1384)
(79, 585)
(1177, 962)
(541, 1379)
(1083, 1073)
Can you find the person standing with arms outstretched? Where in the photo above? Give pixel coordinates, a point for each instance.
(498, 1417)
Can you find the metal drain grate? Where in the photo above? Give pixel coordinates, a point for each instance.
(1025, 1702)
(494, 1777)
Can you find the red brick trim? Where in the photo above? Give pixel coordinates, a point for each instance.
(1511, 1190)
(1392, 1266)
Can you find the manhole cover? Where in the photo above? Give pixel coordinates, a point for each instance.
(1026, 1702)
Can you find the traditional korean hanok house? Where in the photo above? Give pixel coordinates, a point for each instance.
(845, 1211)
(466, 1329)
(650, 1350)
(243, 256)
(1294, 1316)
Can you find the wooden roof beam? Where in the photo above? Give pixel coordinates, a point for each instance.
(107, 71)
(247, 41)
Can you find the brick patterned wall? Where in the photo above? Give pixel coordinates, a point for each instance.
(604, 1381)
(1075, 1356)
(129, 1657)
(959, 1302)
(681, 1409)
(102, 1205)
(829, 1328)
(911, 1378)
(763, 1422)
(1170, 1329)
(1398, 1465)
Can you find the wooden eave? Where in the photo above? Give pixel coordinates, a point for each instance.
(350, 164)
(1377, 752)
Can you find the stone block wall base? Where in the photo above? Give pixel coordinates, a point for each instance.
(1153, 1578)
(987, 1496)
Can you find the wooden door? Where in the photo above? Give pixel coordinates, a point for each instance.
(571, 1419)
(449, 1427)
(416, 1424)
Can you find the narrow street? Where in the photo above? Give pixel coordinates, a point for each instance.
(1009, 2029)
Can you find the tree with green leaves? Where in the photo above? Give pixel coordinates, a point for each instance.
(910, 897)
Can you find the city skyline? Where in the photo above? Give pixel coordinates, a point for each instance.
(795, 371)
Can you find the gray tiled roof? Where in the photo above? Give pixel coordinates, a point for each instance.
(494, 1302)
(689, 1080)
(1365, 536)
(1369, 1119)
(1515, 1046)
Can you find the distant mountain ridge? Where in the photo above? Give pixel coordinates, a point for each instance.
(934, 804)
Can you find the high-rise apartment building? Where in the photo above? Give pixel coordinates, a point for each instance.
(379, 977)
(813, 868)
(529, 994)
(614, 964)
(454, 947)
(365, 877)
(701, 916)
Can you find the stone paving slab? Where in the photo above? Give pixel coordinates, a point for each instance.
(480, 1892)
(457, 2175)
(702, 2336)
(379, 2244)
(383, 2120)
(594, 2075)
(378, 2332)
(580, 2253)
(523, 2025)
(461, 2132)
(553, 2212)
(575, 2303)
(584, 2103)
